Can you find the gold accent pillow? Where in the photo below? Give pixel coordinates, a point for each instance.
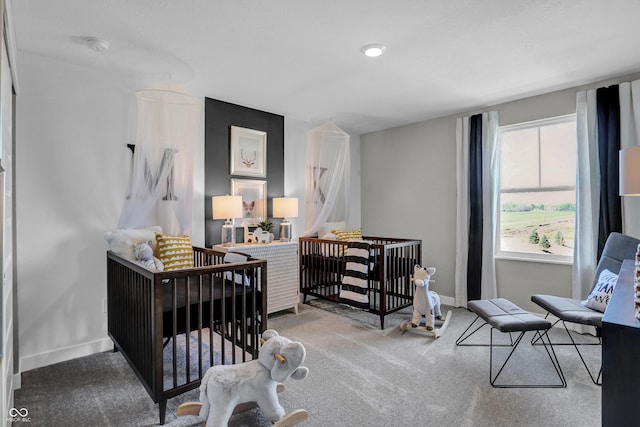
(347, 235)
(175, 252)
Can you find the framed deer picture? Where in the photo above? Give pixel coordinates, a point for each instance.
(248, 152)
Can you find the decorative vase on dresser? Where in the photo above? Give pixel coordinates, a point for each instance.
(282, 271)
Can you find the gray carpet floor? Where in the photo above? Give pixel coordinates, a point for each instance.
(359, 375)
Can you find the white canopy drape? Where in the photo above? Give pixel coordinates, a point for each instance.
(328, 172)
(161, 191)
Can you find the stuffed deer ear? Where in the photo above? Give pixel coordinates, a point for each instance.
(294, 354)
(270, 333)
(300, 373)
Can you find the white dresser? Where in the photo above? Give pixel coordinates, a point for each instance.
(282, 271)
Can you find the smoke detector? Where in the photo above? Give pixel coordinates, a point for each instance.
(96, 44)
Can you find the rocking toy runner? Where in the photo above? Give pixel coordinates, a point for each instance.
(426, 306)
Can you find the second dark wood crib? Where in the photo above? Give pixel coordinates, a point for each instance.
(322, 264)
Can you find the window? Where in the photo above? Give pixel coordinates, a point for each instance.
(538, 189)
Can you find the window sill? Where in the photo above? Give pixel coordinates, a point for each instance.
(528, 258)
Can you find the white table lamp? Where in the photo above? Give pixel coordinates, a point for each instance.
(227, 207)
(285, 207)
(630, 171)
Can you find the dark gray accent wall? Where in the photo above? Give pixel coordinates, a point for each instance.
(219, 117)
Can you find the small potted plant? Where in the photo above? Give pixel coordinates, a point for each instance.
(265, 225)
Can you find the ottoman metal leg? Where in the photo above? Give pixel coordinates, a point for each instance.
(550, 352)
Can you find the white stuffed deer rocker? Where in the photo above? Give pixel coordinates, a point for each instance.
(426, 304)
(226, 389)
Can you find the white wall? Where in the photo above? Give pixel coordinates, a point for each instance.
(73, 124)
(6, 238)
(295, 156)
(409, 190)
(355, 212)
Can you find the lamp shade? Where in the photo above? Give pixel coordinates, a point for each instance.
(285, 207)
(630, 171)
(226, 207)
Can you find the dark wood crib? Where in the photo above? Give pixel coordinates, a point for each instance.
(322, 264)
(172, 326)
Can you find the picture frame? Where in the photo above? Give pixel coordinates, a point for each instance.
(248, 152)
(254, 200)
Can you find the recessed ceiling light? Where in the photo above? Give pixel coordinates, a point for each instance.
(99, 45)
(373, 50)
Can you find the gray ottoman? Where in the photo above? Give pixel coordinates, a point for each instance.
(506, 317)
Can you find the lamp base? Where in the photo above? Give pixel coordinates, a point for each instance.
(285, 231)
(228, 234)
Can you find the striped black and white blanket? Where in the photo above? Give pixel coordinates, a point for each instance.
(355, 283)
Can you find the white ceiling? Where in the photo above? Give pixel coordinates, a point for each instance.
(301, 58)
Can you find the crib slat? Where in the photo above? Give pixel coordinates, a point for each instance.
(174, 315)
(200, 320)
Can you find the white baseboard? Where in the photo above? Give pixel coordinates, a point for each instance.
(17, 381)
(34, 361)
(447, 300)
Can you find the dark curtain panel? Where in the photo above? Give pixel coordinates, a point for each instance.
(474, 265)
(608, 104)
